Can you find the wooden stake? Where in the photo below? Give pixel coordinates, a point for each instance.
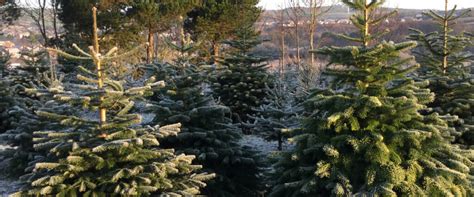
(97, 61)
(445, 37)
(366, 26)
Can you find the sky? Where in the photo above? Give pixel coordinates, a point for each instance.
(412, 4)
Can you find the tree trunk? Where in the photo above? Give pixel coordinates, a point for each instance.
(151, 47)
(42, 26)
(298, 54)
(445, 37)
(311, 43)
(282, 41)
(157, 40)
(55, 19)
(215, 49)
(280, 140)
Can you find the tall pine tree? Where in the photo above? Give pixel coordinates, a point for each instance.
(446, 64)
(157, 16)
(112, 153)
(365, 135)
(215, 21)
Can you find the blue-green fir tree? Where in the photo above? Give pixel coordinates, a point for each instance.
(241, 77)
(102, 149)
(447, 64)
(34, 72)
(6, 93)
(365, 135)
(207, 128)
(23, 122)
(281, 111)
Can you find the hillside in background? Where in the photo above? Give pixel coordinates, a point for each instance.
(336, 21)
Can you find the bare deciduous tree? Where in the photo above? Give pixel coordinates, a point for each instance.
(317, 8)
(295, 13)
(44, 13)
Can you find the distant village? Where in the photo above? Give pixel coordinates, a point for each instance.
(16, 38)
(291, 23)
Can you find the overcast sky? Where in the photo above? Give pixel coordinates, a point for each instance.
(414, 4)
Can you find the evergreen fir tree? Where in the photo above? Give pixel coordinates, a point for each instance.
(35, 72)
(4, 59)
(240, 82)
(207, 129)
(5, 103)
(100, 156)
(447, 65)
(365, 135)
(280, 113)
(24, 121)
(7, 100)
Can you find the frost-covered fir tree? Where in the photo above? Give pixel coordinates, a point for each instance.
(446, 64)
(4, 59)
(103, 150)
(24, 121)
(365, 135)
(241, 77)
(7, 100)
(207, 129)
(33, 70)
(6, 103)
(280, 112)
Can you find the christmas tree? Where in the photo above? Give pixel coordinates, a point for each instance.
(112, 153)
(280, 112)
(365, 135)
(447, 65)
(240, 82)
(207, 129)
(24, 121)
(5, 92)
(33, 70)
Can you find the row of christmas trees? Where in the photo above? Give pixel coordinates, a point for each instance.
(382, 126)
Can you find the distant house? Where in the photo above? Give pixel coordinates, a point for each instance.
(7, 44)
(14, 65)
(14, 52)
(24, 35)
(344, 21)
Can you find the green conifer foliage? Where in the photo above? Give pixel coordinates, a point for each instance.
(241, 78)
(5, 104)
(207, 129)
(447, 65)
(5, 92)
(365, 135)
(109, 154)
(219, 20)
(24, 121)
(280, 112)
(33, 71)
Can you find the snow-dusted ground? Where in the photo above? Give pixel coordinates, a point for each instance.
(7, 186)
(257, 143)
(261, 145)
